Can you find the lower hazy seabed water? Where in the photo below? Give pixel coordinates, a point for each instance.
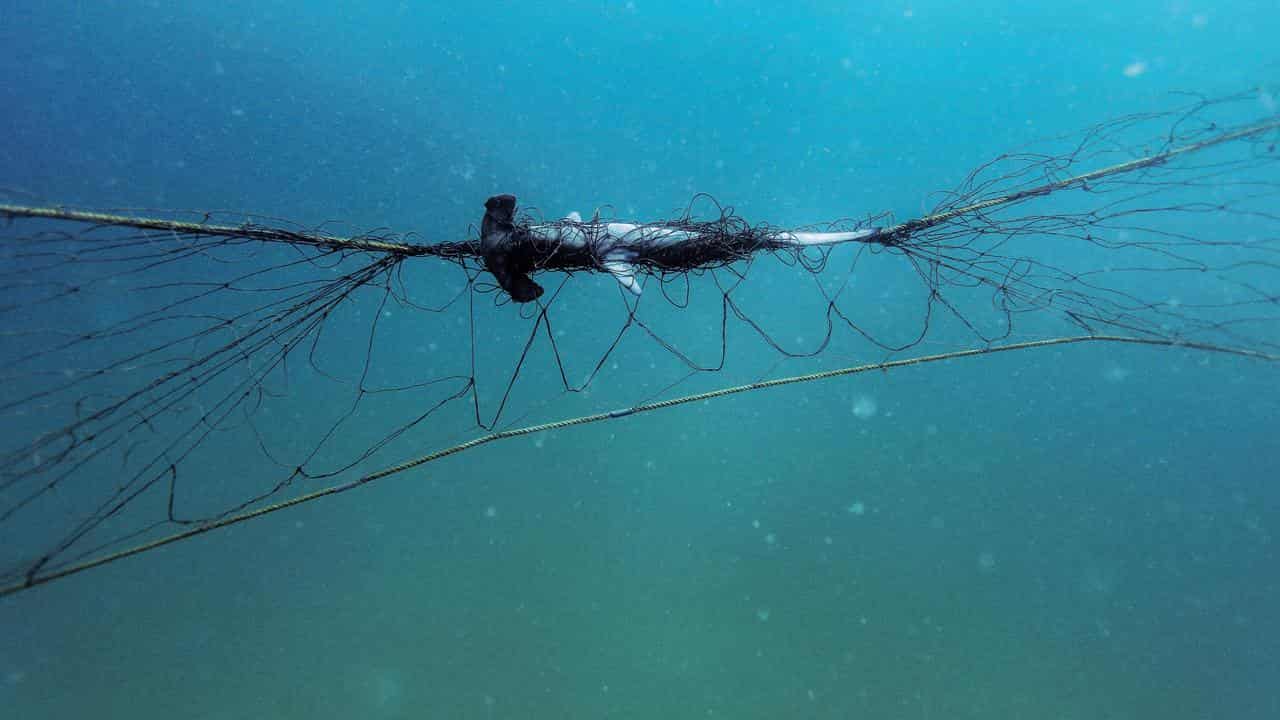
(1081, 532)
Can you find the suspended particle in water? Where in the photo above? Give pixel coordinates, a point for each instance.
(986, 562)
(1135, 69)
(1116, 374)
(864, 407)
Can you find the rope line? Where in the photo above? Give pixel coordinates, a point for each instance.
(35, 579)
(247, 230)
(912, 226)
(470, 249)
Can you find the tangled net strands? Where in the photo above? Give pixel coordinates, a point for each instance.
(138, 349)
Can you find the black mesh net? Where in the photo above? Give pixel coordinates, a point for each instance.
(165, 375)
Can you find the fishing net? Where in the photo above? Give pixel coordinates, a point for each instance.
(170, 373)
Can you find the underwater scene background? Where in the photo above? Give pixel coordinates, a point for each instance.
(1078, 532)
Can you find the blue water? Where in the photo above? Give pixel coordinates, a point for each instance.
(1086, 532)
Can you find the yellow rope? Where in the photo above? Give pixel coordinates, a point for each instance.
(455, 249)
(192, 228)
(911, 226)
(73, 569)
